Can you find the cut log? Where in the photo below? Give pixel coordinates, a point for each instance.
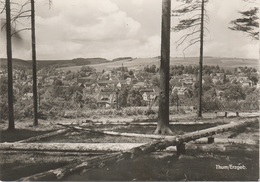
(62, 172)
(172, 123)
(113, 133)
(69, 147)
(229, 141)
(101, 161)
(47, 135)
(51, 153)
(145, 123)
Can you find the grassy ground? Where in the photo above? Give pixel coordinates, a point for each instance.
(194, 165)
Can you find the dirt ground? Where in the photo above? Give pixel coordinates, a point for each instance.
(194, 165)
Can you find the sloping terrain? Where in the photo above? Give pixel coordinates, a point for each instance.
(140, 63)
(133, 63)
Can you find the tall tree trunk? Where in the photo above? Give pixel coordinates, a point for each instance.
(163, 116)
(35, 123)
(201, 59)
(9, 66)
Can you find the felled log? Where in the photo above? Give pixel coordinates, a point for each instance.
(145, 123)
(228, 141)
(68, 147)
(64, 171)
(113, 133)
(172, 123)
(47, 135)
(101, 161)
(51, 153)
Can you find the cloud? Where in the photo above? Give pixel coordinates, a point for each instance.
(138, 2)
(79, 24)
(114, 28)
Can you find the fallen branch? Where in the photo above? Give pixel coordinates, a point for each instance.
(47, 135)
(101, 161)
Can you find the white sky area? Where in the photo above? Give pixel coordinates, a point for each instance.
(118, 28)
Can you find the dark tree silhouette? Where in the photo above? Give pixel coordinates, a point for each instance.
(21, 12)
(163, 114)
(35, 105)
(248, 22)
(9, 65)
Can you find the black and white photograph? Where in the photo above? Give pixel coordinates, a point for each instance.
(129, 90)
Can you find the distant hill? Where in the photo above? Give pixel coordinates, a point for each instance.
(135, 63)
(16, 62)
(122, 58)
(57, 63)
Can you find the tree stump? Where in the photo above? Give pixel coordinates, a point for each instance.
(180, 149)
(210, 140)
(226, 113)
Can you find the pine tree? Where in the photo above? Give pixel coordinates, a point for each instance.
(247, 23)
(194, 10)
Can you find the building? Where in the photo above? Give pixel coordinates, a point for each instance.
(139, 85)
(180, 90)
(106, 98)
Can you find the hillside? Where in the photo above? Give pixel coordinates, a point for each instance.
(16, 62)
(136, 63)
(58, 63)
(140, 63)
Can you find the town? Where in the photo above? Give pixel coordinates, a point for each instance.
(120, 87)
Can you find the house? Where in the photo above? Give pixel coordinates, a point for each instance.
(150, 96)
(219, 94)
(146, 93)
(139, 85)
(128, 81)
(188, 81)
(247, 83)
(121, 83)
(242, 79)
(220, 75)
(29, 77)
(216, 79)
(106, 98)
(81, 85)
(27, 96)
(180, 90)
(186, 75)
(107, 83)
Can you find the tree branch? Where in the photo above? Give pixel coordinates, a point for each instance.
(20, 31)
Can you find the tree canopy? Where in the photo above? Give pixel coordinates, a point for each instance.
(248, 22)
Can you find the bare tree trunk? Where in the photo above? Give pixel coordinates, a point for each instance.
(35, 123)
(163, 116)
(201, 60)
(9, 66)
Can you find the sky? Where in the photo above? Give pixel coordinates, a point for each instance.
(124, 28)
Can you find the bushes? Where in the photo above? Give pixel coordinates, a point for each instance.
(128, 111)
(3, 108)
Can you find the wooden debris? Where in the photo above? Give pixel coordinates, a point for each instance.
(47, 135)
(69, 147)
(101, 161)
